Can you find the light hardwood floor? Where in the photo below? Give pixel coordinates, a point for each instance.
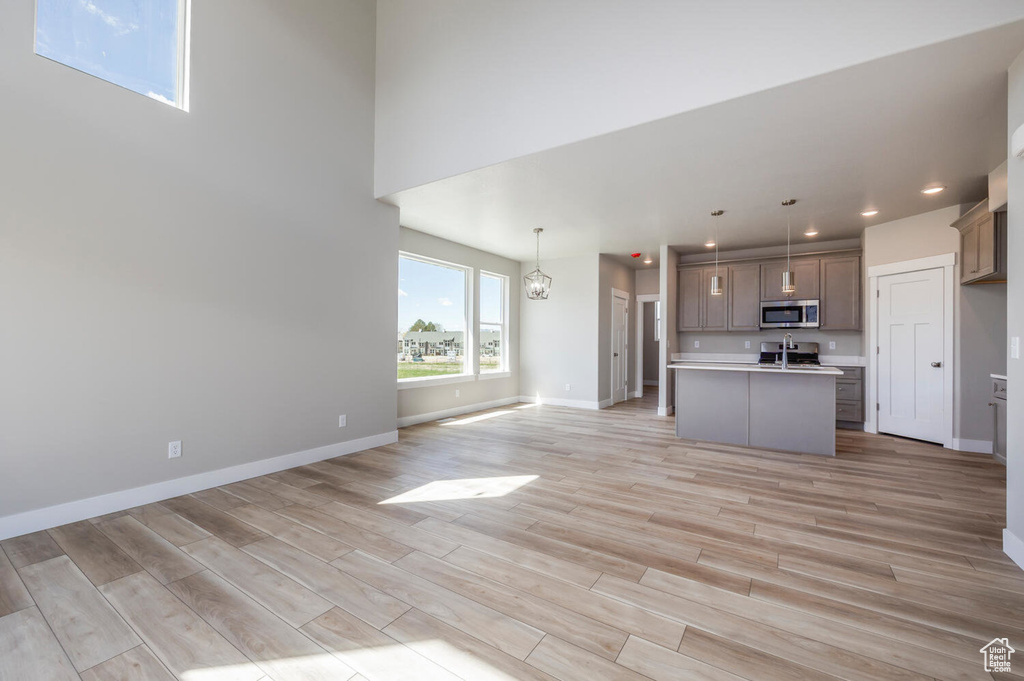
(630, 555)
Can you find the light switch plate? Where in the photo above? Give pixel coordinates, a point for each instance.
(342, 421)
(1015, 347)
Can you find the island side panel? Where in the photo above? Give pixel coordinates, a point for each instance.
(712, 405)
(793, 412)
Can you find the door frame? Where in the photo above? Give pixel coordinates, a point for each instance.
(623, 296)
(641, 298)
(948, 263)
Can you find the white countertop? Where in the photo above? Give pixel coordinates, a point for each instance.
(752, 357)
(999, 376)
(757, 368)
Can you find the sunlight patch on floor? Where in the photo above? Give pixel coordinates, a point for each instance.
(381, 661)
(468, 488)
(474, 419)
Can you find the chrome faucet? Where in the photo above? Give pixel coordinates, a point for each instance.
(787, 345)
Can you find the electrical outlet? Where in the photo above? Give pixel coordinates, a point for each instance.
(568, 387)
(342, 421)
(746, 345)
(457, 392)
(174, 449)
(696, 344)
(831, 345)
(1015, 347)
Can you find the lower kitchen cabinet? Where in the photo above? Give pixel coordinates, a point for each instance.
(850, 397)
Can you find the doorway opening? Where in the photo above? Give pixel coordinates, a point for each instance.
(648, 325)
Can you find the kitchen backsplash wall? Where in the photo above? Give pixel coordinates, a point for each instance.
(848, 343)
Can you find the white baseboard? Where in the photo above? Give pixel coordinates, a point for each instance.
(666, 411)
(1013, 546)
(83, 509)
(557, 402)
(976, 446)
(635, 394)
(651, 382)
(604, 404)
(454, 411)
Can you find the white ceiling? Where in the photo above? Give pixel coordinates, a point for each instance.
(869, 136)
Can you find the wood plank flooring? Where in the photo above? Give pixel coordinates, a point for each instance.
(576, 545)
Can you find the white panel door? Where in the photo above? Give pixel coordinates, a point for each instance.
(910, 355)
(620, 312)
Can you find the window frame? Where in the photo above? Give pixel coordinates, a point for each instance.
(182, 67)
(469, 370)
(503, 366)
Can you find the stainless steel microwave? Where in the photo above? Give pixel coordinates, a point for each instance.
(789, 314)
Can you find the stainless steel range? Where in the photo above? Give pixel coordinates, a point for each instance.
(799, 354)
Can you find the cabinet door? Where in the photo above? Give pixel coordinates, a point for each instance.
(969, 252)
(840, 293)
(688, 316)
(805, 272)
(987, 244)
(715, 307)
(744, 297)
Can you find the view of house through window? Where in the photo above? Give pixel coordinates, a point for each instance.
(140, 45)
(493, 322)
(432, 318)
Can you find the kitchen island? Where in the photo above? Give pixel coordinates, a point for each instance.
(792, 409)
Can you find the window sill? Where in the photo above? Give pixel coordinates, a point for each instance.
(427, 381)
(495, 374)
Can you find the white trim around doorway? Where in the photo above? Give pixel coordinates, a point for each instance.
(947, 262)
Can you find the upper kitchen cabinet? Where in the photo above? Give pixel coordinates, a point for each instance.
(840, 293)
(688, 313)
(805, 273)
(697, 309)
(744, 290)
(982, 245)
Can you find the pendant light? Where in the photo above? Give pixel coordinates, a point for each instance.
(716, 281)
(788, 280)
(537, 283)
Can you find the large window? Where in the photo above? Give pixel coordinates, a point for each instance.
(140, 45)
(493, 323)
(432, 318)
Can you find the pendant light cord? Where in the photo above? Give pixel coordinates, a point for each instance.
(789, 232)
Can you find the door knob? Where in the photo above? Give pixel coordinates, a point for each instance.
(617, 354)
(936, 364)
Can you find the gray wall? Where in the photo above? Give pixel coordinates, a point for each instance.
(650, 345)
(618, 276)
(223, 277)
(647, 282)
(1015, 318)
(424, 400)
(559, 336)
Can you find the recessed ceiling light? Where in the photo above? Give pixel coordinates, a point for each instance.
(709, 243)
(811, 232)
(932, 190)
(648, 261)
(870, 213)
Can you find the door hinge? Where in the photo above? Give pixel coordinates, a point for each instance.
(878, 349)
(878, 293)
(878, 406)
